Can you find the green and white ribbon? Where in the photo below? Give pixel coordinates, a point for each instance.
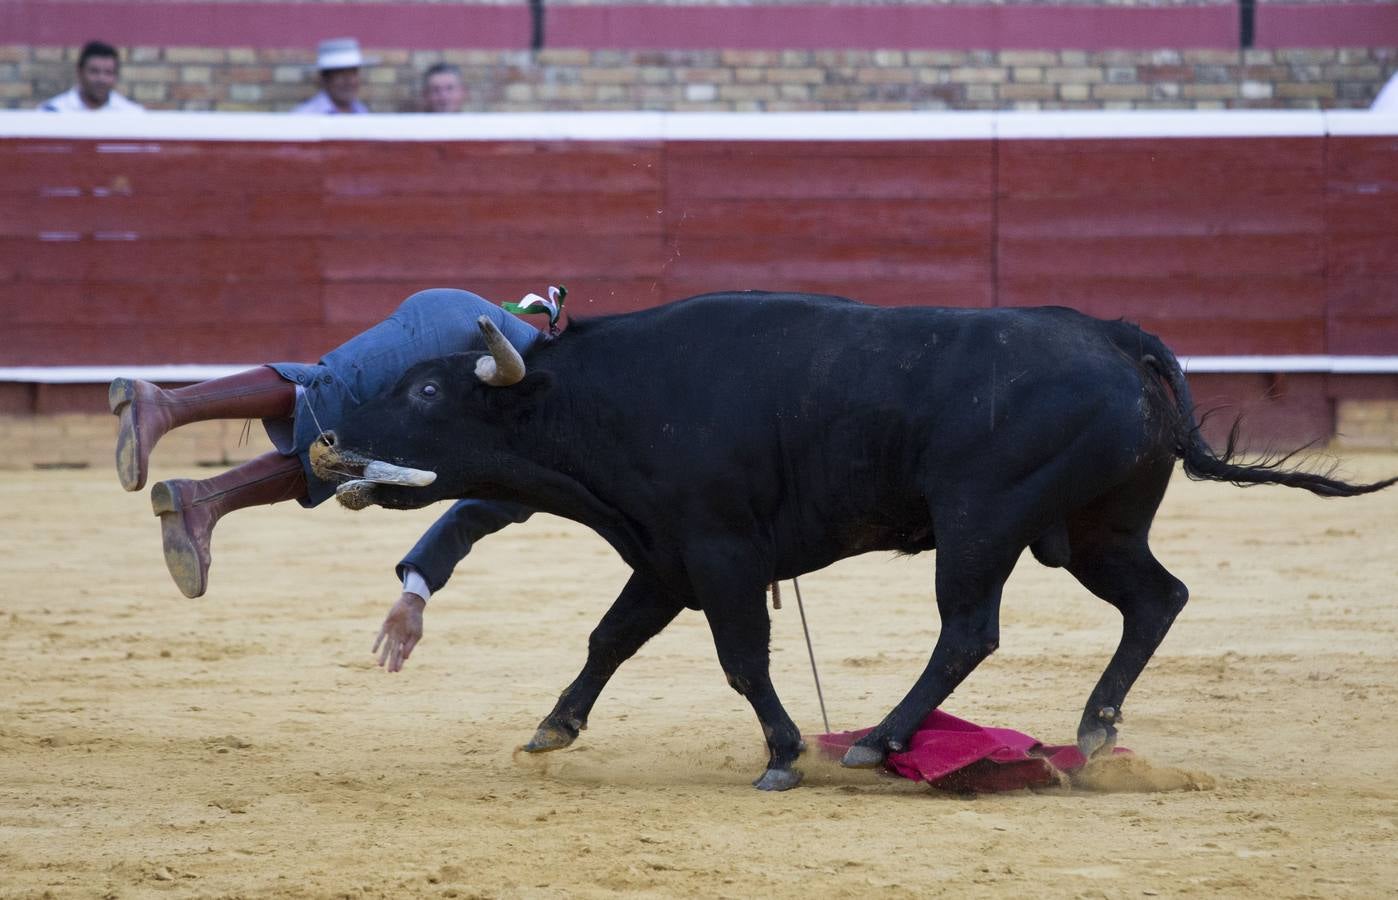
(533, 304)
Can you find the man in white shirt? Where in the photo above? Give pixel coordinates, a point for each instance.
(95, 91)
(338, 61)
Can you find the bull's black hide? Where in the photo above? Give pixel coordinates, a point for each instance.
(722, 442)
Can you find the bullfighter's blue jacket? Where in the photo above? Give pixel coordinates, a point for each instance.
(427, 325)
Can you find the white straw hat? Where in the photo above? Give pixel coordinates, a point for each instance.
(341, 53)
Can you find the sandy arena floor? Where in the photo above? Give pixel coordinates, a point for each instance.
(245, 745)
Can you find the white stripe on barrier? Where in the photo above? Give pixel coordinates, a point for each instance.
(676, 126)
(1196, 365)
(181, 374)
(1332, 365)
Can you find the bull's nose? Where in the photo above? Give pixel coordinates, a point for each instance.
(325, 457)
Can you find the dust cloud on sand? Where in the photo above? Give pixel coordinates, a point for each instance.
(1136, 774)
(244, 744)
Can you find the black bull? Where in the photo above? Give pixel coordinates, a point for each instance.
(726, 441)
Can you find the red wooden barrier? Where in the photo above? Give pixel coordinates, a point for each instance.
(153, 251)
(1216, 245)
(888, 222)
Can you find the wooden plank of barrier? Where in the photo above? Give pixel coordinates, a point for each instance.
(1219, 245)
(1206, 335)
(1165, 256)
(887, 222)
(487, 167)
(758, 261)
(473, 216)
(809, 218)
(1194, 295)
(99, 344)
(1210, 167)
(1180, 212)
(217, 304)
(117, 167)
(812, 170)
(168, 260)
(143, 216)
(579, 254)
(1362, 245)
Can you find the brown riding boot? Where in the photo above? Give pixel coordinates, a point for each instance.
(188, 510)
(147, 411)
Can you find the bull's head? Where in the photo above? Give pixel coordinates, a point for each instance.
(434, 435)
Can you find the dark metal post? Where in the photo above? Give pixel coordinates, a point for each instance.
(1247, 23)
(536, 19)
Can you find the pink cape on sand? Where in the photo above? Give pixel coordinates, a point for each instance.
(955, 755)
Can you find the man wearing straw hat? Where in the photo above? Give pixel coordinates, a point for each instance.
(338, 61)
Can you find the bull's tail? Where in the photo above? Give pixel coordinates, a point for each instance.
(1202, 464)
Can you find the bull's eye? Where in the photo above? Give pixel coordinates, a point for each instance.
(429, 390)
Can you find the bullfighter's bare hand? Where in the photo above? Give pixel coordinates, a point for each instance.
(401, 630)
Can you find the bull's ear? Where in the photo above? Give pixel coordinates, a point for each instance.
(521, 398)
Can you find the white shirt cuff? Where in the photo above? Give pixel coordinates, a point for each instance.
(413, 583)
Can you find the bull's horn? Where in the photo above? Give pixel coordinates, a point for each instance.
(387, 473)
(504, 366)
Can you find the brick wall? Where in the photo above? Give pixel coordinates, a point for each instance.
(246, 79)
(720, 56)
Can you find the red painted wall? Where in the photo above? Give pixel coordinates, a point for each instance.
(185, 251)
(1080, 26)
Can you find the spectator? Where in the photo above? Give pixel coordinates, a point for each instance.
(1387, 100)
(338, 61)
(95, 91)
(443, 90)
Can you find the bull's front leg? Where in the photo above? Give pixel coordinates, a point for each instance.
(736, 609)
(639, 613)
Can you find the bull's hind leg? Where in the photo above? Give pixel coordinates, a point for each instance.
(1125, 574)
(638, 614)
(1110, 556)
(970, 577)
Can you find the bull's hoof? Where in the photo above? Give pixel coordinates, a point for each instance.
(1097, 734)
(862, 757)
(778, 780)
(550, 737)
(1096, 741)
